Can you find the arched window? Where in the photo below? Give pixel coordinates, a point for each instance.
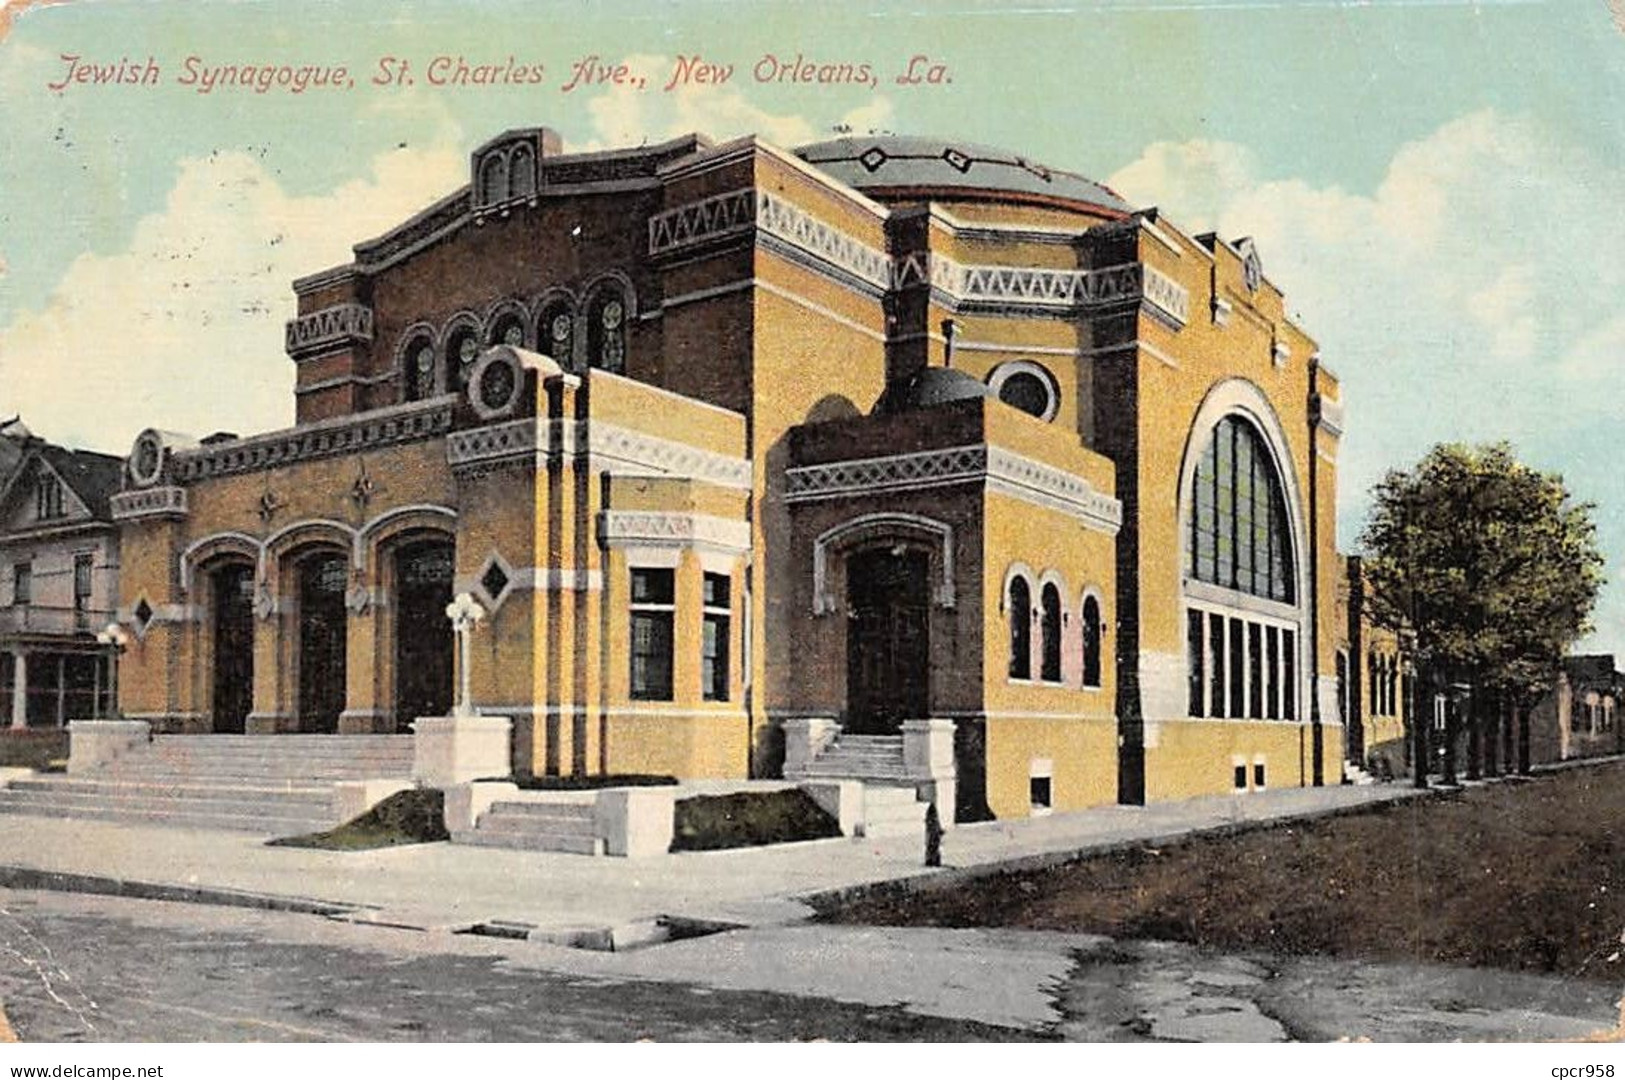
(418, 364)
(1239, 536)
(1020, 610)
(607, 332)
(493, 180)
(555, 334)
(508, 330)
(462, 349)
(522, 173)
(1050, 627)
(1091, 641)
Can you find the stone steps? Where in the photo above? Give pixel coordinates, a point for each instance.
(277, 785)
(892, 811)
(534, 826)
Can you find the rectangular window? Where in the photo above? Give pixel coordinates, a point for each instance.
(83, 566)
(1289, 675)
(1272, 671)
(48, 498)
(22, 583)
(653, 593)
(1241, 778)
(1038, 792)
(1195, 654)
(1255, 671)
(714, 638)
(1215, 651)
(1238, 668)
(1258, 775)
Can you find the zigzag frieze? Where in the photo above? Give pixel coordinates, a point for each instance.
(608, 447)
(1000, 470)
(736, 213)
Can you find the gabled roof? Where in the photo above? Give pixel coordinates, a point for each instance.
(92, 478)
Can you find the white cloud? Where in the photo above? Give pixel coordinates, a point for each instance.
(1476, 294)
(183, 328)
(628, 116)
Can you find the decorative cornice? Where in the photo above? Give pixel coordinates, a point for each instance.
(799, 234)
(998, 469)
(322, 331)
(1327, 414)
(157, 502)
(651, 528)
(390, 426)
(608, 447)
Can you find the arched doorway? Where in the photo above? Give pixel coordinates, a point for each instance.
(888, 653)
(423, 637)
(322, 632)
(232, 588)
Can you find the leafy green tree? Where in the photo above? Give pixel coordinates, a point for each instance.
(1489, 569)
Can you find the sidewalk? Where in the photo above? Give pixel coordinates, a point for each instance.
(447, 886)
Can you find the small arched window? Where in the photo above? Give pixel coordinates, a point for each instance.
(1091, 641)
(1020, 610)
(508, 330)
(418, 364)
(493, 179)
(462, 349)
(522, 173)
(555, 335)
(1050, 628)
(607, 332)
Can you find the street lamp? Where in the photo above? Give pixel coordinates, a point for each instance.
(115, 638)
(464, 612)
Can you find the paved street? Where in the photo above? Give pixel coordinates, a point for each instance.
(88, 968)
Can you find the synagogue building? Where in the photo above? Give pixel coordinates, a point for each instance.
(759, 459)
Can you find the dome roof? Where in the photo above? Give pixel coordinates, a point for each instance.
(899, 164)
(930, 387)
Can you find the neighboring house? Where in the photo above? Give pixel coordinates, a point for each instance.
(1374, 689)
(58, 582)
(1580, 717)
(730, 440)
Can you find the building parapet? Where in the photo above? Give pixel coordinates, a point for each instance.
(321, 331)
(390, 426)
(803, 235)
(149, 503)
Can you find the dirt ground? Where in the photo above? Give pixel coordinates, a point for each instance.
(1525, 875)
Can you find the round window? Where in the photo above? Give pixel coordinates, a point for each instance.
(561, 327)
(497, 384)
(468, 350)
(611, 314)
(513, 334)
(1027, 392)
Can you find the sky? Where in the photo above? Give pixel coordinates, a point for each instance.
(1435, 185)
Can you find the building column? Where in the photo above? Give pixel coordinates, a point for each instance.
(266, 716)
(363, 711)
(19, 689)
(61, 689)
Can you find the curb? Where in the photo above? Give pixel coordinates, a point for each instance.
(23, 877)
(827, 901)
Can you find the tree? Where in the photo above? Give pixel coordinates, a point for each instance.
(1489, 569)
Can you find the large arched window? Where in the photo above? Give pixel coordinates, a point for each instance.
(607, 332)
(418, 363)
(1050, 628)
(1091, 641)
(555, 332)
(1020, 610)
(462, 349)
(1243, 623)
(1239, 536)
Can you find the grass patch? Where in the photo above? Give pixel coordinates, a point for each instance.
(749, 819)
(46, 749)
(1520, 876)
(407, 817)
(589, 783)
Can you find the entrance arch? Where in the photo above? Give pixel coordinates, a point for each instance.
(322, 578)
(231, 587)
(423, 571)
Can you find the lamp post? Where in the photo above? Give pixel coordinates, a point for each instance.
(464, 612)
(115, 638)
